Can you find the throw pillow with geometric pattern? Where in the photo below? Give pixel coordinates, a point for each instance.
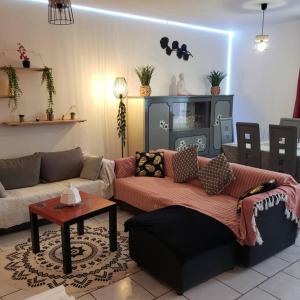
(216, 175)
(185, 165)
(149, 164)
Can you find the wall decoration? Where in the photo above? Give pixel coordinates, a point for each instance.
(181, 52)
(23, 56)
(48, 78)
(145, 74)
(215, 78)
(14, 90)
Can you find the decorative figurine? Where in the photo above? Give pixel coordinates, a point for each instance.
(181, 89)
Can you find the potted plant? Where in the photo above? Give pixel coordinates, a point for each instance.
(145, 74)
(48, 78)
(215, 78)
(23, 56)
(14, 90)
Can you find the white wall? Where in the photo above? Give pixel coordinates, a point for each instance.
(86, 57)
(265, 83)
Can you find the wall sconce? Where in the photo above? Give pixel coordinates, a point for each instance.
(120, 92)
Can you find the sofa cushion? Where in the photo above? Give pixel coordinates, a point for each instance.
(62, 165)
(216, 175)
(91, 167)
(3, 192)
(150, 164)
(185, 165)
(185, 231)
(20, 172)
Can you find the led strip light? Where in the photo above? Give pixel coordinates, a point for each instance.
(229, 34)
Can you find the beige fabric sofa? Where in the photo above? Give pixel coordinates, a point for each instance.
(14, 208)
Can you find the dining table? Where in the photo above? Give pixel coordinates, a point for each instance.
(231, 152)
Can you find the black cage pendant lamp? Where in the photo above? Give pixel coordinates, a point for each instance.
(60, 12)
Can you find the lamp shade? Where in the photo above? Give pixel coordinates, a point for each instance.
(60, 12)
(120, 87)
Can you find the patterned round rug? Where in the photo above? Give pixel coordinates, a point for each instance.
(93, 264)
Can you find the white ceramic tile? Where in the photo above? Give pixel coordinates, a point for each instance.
(125, 289)
(241, 280)
(290, 254)
(20, 295)
(7, 289)
(148, 282)
(10, 240)
(294, 270)
(171, 296)
(271, 266)
(85, 297)
(283, 286)
(257, 294)
(211, 290)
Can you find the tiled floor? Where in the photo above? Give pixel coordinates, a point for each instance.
(276, 278)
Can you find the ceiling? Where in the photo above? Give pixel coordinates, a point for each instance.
(225, 14)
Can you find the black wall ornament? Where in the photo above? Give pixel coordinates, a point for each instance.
(181, 52)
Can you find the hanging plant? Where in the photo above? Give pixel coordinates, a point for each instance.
(47, 77)
(14, 90)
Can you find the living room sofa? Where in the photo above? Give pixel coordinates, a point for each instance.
(270, 227)
(14, 206)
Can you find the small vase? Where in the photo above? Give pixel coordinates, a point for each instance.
(21, 118)
(26, 63)
(50, 116)
(145, 90)
(215, 90)
(72, 115)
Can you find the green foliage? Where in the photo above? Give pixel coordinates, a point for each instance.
(145, 74)
(122, 122)
(47, 77)
(216, 77)
(14, 90)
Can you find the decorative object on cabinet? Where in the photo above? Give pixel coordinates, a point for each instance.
(181, 89)
(14, 90)
(226, 128)
(181, 52)
(23, 56)
(120, 92)
(47, 77)
(145, 74)
(170, 122)
(21, 118)
(60, 12)
(215, 78)
(261, 40)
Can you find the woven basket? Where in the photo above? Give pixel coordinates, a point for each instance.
(145, 90)
(215, 90)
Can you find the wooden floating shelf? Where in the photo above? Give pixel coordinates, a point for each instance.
(27, 69)
(43, 122)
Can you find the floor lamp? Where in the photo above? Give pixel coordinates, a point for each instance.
(120, 92)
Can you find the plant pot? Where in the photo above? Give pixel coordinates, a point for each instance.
(72, 115)
(26, 63)
(21, 118)
(145, 90)
(50, 116)
(215, 90)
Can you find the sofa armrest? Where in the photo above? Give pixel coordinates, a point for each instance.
(125, 167)
(107, 175)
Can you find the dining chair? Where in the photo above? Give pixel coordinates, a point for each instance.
(248, 140)
(226, 129)
(283, 149)
(292, 122)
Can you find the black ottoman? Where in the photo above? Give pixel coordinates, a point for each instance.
(180, 246)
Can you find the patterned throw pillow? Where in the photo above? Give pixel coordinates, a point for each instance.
(149, 164)
(185, 165)
(216, 175)
(262, 188)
